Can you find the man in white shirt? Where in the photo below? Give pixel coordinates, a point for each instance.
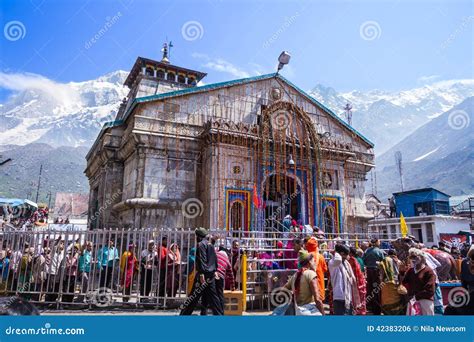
(345, 294)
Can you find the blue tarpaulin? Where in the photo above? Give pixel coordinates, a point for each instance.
(14, 202)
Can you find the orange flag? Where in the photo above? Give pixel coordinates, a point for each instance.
(256, 200)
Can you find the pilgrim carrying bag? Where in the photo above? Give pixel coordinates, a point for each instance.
(414, 308)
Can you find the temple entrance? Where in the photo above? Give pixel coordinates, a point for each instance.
(282, 197)
(236, 216)
(329, 226)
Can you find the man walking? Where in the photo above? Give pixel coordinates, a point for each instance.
(205, 280)
(372, 256)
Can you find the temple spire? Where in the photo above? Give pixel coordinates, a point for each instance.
(165, 53)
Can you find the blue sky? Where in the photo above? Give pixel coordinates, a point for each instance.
(344, 44)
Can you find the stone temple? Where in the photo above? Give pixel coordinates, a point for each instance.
(241, 154)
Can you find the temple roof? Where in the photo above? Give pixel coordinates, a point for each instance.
(214, 86)
(218, 85)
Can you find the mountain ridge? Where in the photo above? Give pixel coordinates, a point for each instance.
(67, 118)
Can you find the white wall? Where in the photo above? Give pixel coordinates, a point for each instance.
(450, 225)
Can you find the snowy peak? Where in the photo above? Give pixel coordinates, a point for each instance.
(439, 154)
(60, 114)
(116, 77)
(41, 108)
(399, 113)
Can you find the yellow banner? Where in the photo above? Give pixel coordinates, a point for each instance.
(403, 226)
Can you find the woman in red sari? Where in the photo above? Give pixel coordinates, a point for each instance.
(360, 278)
(128, 269)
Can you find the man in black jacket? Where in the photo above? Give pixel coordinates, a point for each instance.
(205, 279)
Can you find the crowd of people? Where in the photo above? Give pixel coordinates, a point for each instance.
(369, 280)
(333, 276)
(58, 270)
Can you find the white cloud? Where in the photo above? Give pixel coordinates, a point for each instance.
(257, 69)
(221, 65)
(63, 94)
(428, 79)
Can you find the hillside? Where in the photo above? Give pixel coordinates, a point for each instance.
(439, 154)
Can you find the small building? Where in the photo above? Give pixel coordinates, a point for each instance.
(71, 206)
(362, 210)
(421, 202)
(426, 213)
(465, 208)
(426, 229)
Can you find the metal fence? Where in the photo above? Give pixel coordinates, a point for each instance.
(148, 268)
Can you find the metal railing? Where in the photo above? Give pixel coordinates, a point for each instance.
(121, 268)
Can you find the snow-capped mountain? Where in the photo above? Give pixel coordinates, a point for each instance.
(388, 117)
(60, 114)
(72, 114)
(439, 154)
(59, 122)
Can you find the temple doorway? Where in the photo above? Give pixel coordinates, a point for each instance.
(237, 216)
(329, 225)
(282, 197)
